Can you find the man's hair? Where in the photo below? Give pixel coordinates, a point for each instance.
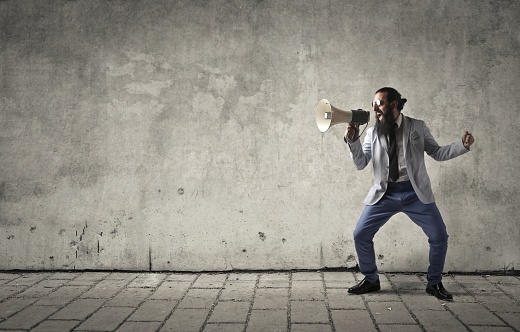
(392, 95)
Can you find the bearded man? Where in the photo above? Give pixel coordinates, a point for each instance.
(396, 147)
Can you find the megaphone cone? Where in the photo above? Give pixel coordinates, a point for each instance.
(328, 116)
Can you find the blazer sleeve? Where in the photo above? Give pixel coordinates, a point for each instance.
(441, 153)
(361, 153)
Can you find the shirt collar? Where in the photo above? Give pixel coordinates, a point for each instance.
(399, 120)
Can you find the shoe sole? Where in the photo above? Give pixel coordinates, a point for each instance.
(432, 293)
(368, 291)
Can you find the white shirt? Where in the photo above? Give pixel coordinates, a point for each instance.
(403, 174)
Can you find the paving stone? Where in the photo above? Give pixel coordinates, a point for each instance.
(14, 305)
(511, 318)
(383, 295)
(340, 299)
(406, 282)
(186, 320)
(224, 327)
(88, 278)
(101, 292)
(79, 309)
(210, 281)
(500, 280)
(491, 329)
(139, 327)
(306, 276)
(473, 314)
(390, 313)
(511, 290)
(171, 290)
(422, 302)
(8, 276)
(309, 312)
(41, 289)
(105, 319)
(10, 290)
(230, 312)
(243, 277)
(476, 284)
(268, 321)
(307, 290)
(199, 298)
(439, 321)
(127, 276)
(129, 297)
(56, 325)
(147, 280)
(181, 277)
(63, 275)
(498, 302)
(353, 320)
(28, 279)
(271, 298)
(116, 283)
(339, 279)
(62, 295)
(399, 328)
(468, 279)
(153, 311)
(311, 328)
(28, 317)
(238, 290)
(274, 280)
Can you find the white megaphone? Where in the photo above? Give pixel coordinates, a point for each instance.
(328, 116)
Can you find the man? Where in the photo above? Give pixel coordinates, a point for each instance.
(396, 146)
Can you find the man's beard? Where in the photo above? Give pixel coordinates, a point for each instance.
(383, 128)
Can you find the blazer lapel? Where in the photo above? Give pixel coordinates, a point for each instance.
(382, 141)
(406, 132)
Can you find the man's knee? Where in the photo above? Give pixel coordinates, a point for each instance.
(440, 239)
(362, 235)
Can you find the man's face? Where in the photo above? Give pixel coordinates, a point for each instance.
(380, 105)
(385, 113)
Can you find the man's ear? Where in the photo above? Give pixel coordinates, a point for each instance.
(393, 104)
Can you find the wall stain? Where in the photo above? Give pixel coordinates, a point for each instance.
(261, 236)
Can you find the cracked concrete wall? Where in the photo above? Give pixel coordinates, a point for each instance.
(181, 135)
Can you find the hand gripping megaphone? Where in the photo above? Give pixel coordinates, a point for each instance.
(328, 116)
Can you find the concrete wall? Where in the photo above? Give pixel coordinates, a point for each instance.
(180, 135)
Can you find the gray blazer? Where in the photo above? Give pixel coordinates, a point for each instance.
(417, 139)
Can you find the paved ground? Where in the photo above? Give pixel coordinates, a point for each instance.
(280, 301)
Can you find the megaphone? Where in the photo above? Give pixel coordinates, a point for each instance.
(328, 116)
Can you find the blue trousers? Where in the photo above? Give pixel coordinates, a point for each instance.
(400, 197)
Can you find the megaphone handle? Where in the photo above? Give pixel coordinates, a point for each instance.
(357, 135)
(352, 132)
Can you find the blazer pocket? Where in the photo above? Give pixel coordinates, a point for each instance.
(415, 137)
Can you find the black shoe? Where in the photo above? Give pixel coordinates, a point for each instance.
(365, 286)
(439, 292)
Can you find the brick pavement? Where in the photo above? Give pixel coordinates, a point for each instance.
(251, 301)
